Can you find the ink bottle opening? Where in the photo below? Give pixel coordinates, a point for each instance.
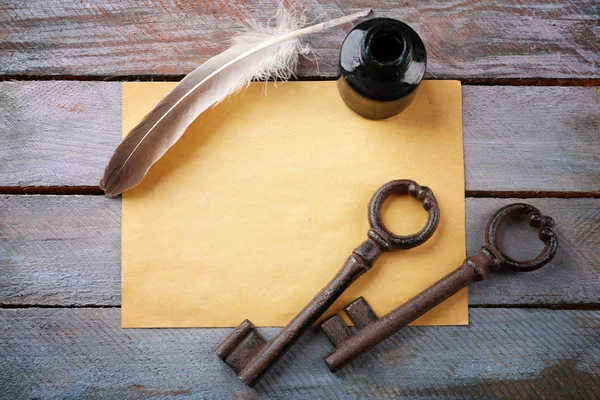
(382, 63)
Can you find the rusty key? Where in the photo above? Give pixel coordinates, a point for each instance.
(372, 330)
(250, 355)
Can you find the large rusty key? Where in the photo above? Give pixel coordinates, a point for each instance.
(372, 330)
(250, 355)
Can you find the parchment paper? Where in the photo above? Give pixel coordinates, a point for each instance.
(259, 204)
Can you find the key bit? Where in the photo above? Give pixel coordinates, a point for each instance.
(361, 315)
(372, 331)
(250, 355)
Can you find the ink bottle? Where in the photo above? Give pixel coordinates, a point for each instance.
(382, 63)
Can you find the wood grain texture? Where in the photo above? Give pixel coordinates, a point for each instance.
(572, 276)
(515, 138)
(52, 131)
(65, 251)
(60, 250)
(526, 139)
(465, 39)
(504, 353)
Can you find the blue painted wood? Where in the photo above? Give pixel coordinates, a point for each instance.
(504, 353)
(57, 133)
(66, 251)
(63, 133)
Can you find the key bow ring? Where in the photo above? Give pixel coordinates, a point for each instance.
(390, 241)
(534, 218)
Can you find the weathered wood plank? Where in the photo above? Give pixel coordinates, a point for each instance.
(572, 277)
(515, 138)
(65, 250)
(531, 138)
(57, 132)
(465, 39)
(60, 250)
(504, 353)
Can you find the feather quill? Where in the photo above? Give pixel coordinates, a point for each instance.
(260, 53)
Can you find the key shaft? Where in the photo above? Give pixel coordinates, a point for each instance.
(374, 333)
(353, 268)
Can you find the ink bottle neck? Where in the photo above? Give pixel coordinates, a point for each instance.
(385, 50)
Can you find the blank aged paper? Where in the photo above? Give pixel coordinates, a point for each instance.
(265, 196)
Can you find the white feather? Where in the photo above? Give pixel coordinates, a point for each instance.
(259, 53)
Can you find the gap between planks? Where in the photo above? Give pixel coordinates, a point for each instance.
(583, 82)
(555, 307)
(480, 194)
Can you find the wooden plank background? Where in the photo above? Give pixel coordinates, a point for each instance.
(63, 133)
(66, 251)
(465, 39)
(504, 353)
(531, 335)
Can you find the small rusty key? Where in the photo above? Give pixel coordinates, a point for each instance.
(372, 330)
(250, 355)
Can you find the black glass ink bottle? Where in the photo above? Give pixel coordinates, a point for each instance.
(382, 63)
